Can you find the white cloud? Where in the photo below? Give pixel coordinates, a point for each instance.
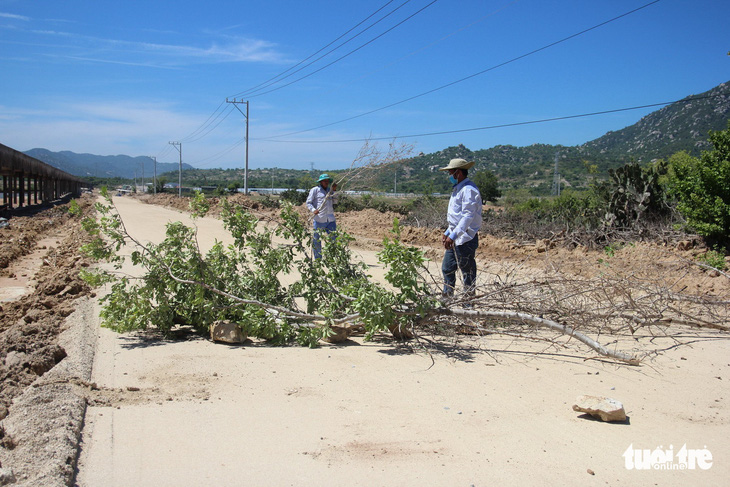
(122, 63)
(14, 17)
(230, 50)
(135, 128)
(235, 51)
(99, 128)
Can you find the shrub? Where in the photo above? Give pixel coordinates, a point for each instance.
(294, 197)
(571, 208)
(267, 201)
(702, 188)
(347, 203)
(714, 258)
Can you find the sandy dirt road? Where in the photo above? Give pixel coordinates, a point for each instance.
(488, 412)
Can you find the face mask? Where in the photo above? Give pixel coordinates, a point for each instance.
(453, 180)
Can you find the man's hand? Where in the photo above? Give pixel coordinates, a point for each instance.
(316, 212)
(448, 243)
(334, 186)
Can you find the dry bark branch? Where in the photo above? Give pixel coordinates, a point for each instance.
(541, 322)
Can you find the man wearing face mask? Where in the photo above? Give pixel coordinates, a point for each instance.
(464, 219)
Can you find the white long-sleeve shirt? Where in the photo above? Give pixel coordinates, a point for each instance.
(464, 216)
(314, 201)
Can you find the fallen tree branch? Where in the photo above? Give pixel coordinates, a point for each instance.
(553, 325)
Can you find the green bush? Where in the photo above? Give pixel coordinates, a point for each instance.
(714, 258)
(702, 188)
(572, 208)
(294, 197)
(347, 203)
(268, 201)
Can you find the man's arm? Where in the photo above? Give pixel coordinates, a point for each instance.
(310, 201)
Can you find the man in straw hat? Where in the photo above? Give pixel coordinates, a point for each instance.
(320, 202)
(464, 219)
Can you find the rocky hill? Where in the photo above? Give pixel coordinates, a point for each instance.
(681, 126)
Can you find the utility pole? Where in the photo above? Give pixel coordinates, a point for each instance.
(144, 188)
(154, 177)
(395, 182)
(556, 177)
(178, 146)
(245, 171)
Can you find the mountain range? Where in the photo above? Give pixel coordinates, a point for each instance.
(90, 165)
(680, 126)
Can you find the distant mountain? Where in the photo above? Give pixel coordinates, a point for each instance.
(90, 165)
(681, 126)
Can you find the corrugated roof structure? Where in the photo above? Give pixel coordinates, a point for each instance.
(25, 178)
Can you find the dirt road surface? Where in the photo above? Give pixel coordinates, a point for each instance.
(485, 412)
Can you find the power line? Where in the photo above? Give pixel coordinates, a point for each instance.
(490, 127)
(207, 127)
(210, 129)
(442, 87)
(217, 113)
(215, 157)
(438, 41)
(349, 53)
(211, 159)
(270, 80)
(535, 51)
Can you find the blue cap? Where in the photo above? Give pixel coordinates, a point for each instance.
(322, 177)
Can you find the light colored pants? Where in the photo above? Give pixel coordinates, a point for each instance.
(317, 243)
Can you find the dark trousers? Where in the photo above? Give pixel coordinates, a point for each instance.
(460, 257)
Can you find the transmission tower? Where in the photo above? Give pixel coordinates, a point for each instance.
(556, 177)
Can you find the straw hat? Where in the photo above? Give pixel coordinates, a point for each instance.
(458, 164)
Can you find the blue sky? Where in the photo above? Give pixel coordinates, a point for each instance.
(128, 77)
